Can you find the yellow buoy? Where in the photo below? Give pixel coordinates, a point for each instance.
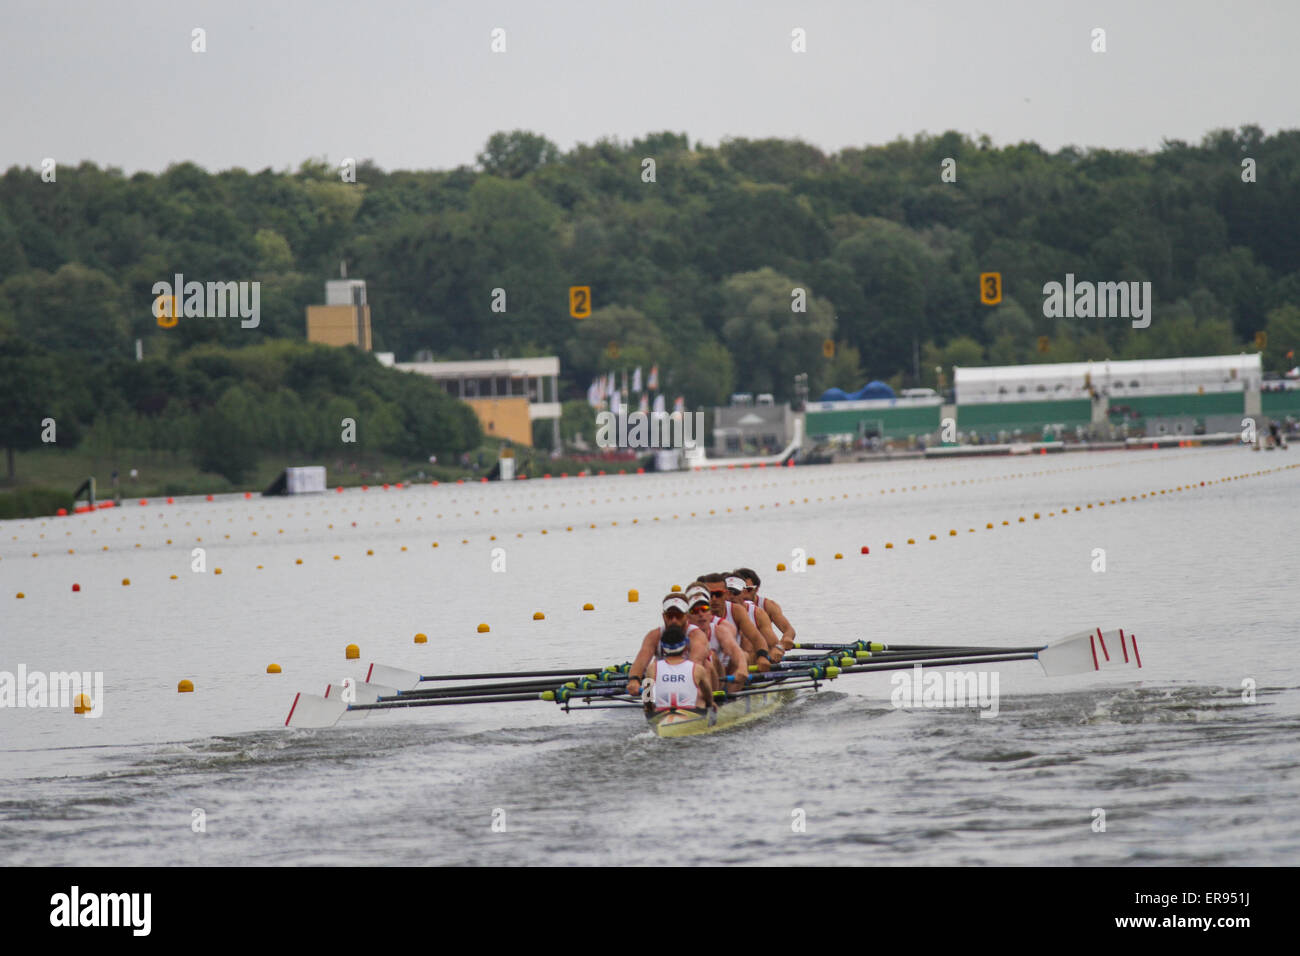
(934, 537)
(351, 652)
(173, 577)
(297, 560)
(421, 638)
(911, 541)
(483, 629)
(538, 616)
(125, 582)
(811, 562)
(81, 704)
(185, 687)
(633, 596)
(216, 570)
(889, 544)
(838, 556)
(20, 595)
(589, 606)
(273, 668)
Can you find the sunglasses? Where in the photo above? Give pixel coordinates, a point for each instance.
(705, 606)
(721, 593)
(673, 612)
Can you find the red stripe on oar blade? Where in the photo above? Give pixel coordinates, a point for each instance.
(370, 670)
(1123, 646)
(292, 709)
(1104, 652)
(1134, 639)
(1092, 642)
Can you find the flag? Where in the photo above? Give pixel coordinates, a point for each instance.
(1291, 354)
(614, 405)
(624, 382)
(644, 405)
(653, 384)
(593, 394)
(679, 404)
(659, 404)
(636, 379)
(609, 384)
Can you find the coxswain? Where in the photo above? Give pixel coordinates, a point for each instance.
(679, 682)
(773, 610)
(674, 615)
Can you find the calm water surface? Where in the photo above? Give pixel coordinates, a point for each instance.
(1185, 770)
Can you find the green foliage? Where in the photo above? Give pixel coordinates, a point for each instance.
(875, 236)
(33, 502)
(515, 155)
(226, 441)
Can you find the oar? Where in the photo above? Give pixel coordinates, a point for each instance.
(409, 680)
(474, 690)
(1080, 653)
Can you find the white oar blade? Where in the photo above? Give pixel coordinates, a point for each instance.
(392, 677)
(1117, 649)
(308, 710)
(357, 692)
(1090, 651)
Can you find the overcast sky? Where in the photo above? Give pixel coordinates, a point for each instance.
(415, 85)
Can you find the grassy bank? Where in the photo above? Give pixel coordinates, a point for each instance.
(47, 477)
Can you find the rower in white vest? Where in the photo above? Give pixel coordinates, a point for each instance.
(769, 606)
(727, 606)
(726, 658)
(679, 683)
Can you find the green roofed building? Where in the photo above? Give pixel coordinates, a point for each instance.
(1150, 397)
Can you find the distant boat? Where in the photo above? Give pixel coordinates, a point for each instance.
(695, 459)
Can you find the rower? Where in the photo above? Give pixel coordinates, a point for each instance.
(679, 683)
(736, 587)
(726, 656)
(751, 640)
(772, 609)
(674, 615)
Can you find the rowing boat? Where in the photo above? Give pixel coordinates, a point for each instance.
(602, 688)
(733, 712)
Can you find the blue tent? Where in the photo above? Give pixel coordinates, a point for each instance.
(873, 389)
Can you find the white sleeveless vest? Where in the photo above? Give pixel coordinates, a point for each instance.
(675, 686)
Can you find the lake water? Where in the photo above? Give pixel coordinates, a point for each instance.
(1186, 768)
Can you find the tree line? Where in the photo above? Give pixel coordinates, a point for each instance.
(693, 253)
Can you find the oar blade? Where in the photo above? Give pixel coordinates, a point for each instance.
(392, 677)
(358, 692)
(309, 710)
(1089, 652)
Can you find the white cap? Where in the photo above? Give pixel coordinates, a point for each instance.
(736, 584)
(675, 603)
